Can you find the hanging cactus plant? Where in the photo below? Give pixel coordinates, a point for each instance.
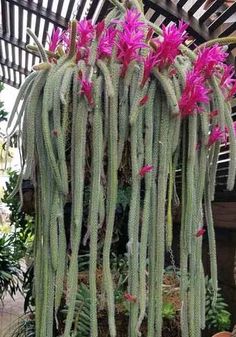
(124, 99)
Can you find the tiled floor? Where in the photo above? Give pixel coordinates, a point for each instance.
(10, 311)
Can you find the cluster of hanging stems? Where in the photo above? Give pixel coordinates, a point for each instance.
(124, 93)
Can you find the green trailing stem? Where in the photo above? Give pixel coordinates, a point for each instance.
(203, 298)
(41, 50)
(213, 169)
(61, 267)
(112, 197)
(22, 110)
(168, 89)
(133, 224)
(152, 232)
(66, 83)
(47, 135)
(135, 107)
(169, 220)
(111, 15)
(219, 102)
(192, 143)
(133, 229)
(232, 154)
(222, 41)
(211, 239)
(30, 121)
(53, 231)
(147, 204)
(35, 50)
(94, 205)
(123, 122)
(183, 248)
(79, 123)
(107, 76)
(204, 121)
(123, 117)
(160, 220)
(21, 95)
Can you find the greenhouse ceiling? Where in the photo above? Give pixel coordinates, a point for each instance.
(207, 20)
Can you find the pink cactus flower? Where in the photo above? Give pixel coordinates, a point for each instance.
(168, 45)
(232, 91)
(209, 59)
(128, 48)
(85, 30)
(194, 93)
(213, 113)
(106, 42)
(55, 133)
(86, 88)
(149, 63)
(149, 34)
(132, 20)
(144, 100)
(55, 39)
(198, 146)
(131, 39)
(145, 169)
(100, 28)
(130, 298)
(200, 232)
(227, 77)
(216, 135)
(85, 33)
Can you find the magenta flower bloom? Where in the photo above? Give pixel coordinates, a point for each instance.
(168, 45)
(106, 43)
(85, 30)
(85, 33)
(149, 63)
(209, 59)
(194, 93)
(99, 28)
(132, 20)
(55, 39)
(145, 169)
(227, 78)
(216, 135)
(232, 91)
(200, 232)
(213, 113)
(144, 100)
(86, 88)
(130, 298)
(131, 39)
(198, 146)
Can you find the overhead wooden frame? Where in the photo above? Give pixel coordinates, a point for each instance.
(16, 61)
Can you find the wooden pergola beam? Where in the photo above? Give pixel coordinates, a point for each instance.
(14, 66)
(168, 9)
(40, 11)
(9, 82)
(14, 41)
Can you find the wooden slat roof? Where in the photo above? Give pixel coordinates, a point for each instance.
(42, 15)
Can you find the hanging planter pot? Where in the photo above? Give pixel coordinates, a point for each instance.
(223, 334)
